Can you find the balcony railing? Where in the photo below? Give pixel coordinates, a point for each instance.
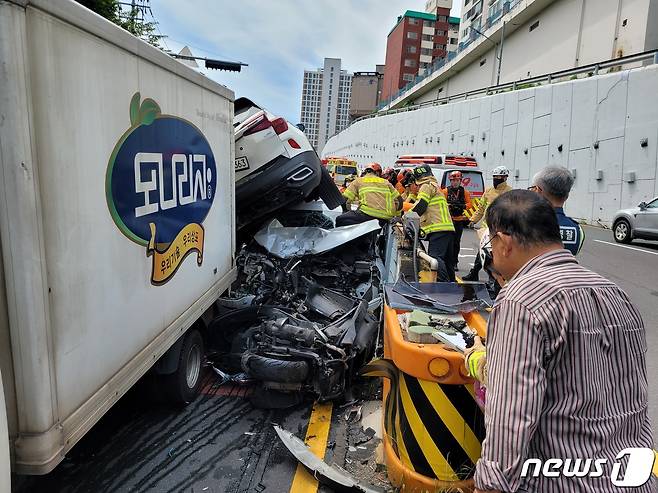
(494, 18)
(592, 69)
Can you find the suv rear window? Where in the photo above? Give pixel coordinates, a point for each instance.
(471, 181)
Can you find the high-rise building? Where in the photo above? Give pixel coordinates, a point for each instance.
(416, 40)
(432, 7)
(476, 14)
(366, 89)
(325, 101)
(453, 34)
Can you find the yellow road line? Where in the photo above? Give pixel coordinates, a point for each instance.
(655, 463)
(317, 434)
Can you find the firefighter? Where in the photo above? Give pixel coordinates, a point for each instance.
(500, 186)
(401, 181)
(458, 200)
(435, 221)
(409, 187)
(376, 197)
(390, 176)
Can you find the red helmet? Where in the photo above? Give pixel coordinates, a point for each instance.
(374, 167)
(455, 175)
(389, 171)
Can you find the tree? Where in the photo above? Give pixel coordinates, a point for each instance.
(132, 20)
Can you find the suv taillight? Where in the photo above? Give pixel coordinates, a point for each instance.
(260, 124)
(280, 125)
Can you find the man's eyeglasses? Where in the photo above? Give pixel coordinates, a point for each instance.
(535, 188)
(488, 243)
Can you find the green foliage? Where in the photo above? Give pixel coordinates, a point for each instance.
(105, 8)
(131, 20)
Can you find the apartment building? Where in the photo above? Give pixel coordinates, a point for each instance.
(416, 40)
(325, 105)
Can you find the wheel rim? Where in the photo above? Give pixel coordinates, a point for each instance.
(193, 366)
(621, 231)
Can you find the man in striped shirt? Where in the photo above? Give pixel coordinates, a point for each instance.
(566, 363)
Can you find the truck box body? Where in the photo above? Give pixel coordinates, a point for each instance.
(116, 216)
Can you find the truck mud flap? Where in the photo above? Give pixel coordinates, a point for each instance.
(328, 191)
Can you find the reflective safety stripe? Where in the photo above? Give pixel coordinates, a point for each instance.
(383, 191)
(473, 361)
(379, 214)
(349, 195)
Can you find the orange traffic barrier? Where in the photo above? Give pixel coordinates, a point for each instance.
(433, 362)
(433, 427)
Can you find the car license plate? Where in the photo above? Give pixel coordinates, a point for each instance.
(241, 164)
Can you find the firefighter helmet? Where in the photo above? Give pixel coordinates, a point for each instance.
(374, 168)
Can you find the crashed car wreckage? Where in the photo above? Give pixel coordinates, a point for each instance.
(304, 314)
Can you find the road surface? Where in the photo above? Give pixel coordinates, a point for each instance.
(221, 443)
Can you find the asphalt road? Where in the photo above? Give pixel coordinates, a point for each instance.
(632, 267)
(222, 443)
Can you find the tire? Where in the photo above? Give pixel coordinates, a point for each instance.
(622, 231)
(328, 190)
(182, 386)
(275, 370)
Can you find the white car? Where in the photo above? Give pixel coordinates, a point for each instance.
(639, 222)
(275, 165)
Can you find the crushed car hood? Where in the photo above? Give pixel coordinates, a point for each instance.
(287, 242)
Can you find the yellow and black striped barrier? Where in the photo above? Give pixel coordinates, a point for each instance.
(436, 430)
(433, 427)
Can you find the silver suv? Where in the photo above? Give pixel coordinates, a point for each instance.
(640, 222)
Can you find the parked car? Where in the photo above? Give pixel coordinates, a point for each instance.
(639, 222)
(275, 165)
(442, 165)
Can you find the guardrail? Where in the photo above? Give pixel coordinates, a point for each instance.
(592, 69)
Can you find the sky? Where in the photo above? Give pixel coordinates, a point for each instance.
(279, 39)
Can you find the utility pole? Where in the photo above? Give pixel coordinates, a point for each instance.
(499, 56)
(500, 53)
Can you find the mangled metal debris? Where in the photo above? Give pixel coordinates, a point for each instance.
(439, 297)
(333, 477)
(299, 321)
(287, 242)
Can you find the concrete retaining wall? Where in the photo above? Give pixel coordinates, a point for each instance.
(596, 126)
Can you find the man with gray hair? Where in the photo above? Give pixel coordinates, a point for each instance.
(554, 184)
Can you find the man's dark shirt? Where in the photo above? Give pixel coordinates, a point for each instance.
(570, 231)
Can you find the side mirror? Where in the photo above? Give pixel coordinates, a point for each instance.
(642, 205)
(301, 126)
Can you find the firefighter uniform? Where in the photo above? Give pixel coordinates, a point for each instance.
(435, 222)
(377, 199)
(459, 200)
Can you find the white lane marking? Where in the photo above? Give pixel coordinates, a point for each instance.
(470, 249)
(625, 246)
(463, 256)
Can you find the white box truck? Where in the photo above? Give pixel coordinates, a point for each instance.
(116, 220)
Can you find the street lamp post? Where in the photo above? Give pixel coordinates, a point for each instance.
(499, 57)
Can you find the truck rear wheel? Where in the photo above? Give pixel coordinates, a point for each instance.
(183, 385)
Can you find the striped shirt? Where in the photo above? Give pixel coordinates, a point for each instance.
(567, 378)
